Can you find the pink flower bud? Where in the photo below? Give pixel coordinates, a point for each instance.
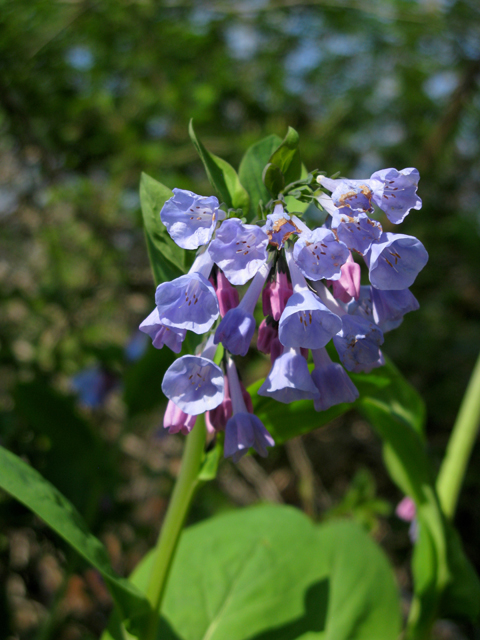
(176, 420)
(216, 419)
(227, 294)
(406, 509)
(348, 286)
(275, 296)
(266, 333)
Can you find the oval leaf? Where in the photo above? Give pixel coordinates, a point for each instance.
(251, 171)
(269, 573)
(222, 176)
(287, 157)
(273, 179)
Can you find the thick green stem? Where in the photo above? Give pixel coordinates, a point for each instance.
(175, 517)
(460, 446)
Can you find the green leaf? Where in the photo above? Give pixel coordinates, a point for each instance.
(390, 386)
(213, 457)
(166, 258)
(270, 573)
(287, 158)
(441, 570)
(273, 179)
(286, 421)
(251, 170)
(27, 486)
(222, 176)
(461, 598)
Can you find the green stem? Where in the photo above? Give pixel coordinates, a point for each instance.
(168, 538)
(460, 446)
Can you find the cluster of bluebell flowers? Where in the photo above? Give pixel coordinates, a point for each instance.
(309, 285)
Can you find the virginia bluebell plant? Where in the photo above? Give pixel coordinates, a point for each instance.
(300, 253)
(309, 282)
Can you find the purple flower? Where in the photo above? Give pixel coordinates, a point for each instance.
(363, 306)
(318, 254)
(289, 379)
(305, 322)
(389, 307)
(243, 430)
(194, 383)
(353, 227)
(276, 349)
(236, 329)
(161, 334)
(366, 368)
(280, 226)
(239, 250)
(332, 382)
(395, 192)
(355, 195)
(92, 385)
(176, 421)
(189, 302)
(190, 219)
(395, 261)
(358, 232)
(358, 342)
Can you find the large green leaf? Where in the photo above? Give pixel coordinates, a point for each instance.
(168, 260)
(269, 573)
(222, 176)
(251, 170)
(27, 486)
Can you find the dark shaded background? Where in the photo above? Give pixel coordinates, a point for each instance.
(93, 93)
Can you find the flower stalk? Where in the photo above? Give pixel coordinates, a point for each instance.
(460, 445)
(172, 526)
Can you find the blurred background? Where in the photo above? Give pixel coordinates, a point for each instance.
(93, 93)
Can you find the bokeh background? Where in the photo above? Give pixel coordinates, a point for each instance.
(93, 93)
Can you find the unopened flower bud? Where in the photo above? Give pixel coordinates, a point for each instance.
(348, 285)
(275, 296)
(266, 333)
(176, 420)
